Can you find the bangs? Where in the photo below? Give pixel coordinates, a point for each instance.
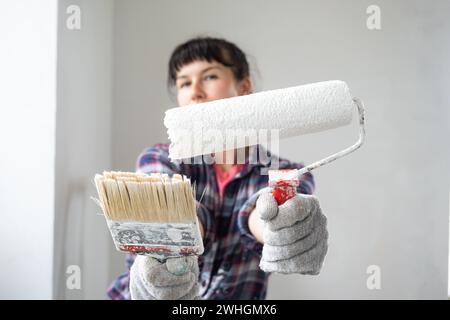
(206, 49)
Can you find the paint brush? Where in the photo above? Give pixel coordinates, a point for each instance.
(152, 215)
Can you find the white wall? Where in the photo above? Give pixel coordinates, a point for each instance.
(387, 203)
(83, 147)
(27, 144)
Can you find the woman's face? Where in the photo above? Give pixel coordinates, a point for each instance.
(202, 81)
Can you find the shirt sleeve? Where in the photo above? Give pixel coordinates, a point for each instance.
(207, 221)
(119, 289)
(156, 159)
(306, 186)
(248, 239)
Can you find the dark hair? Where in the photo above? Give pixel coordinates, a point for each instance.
(209, 49)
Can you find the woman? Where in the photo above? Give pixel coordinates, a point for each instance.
(235, 223)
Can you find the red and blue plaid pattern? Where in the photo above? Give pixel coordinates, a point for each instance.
(229, 267)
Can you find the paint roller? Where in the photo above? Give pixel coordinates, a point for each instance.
(209, 127)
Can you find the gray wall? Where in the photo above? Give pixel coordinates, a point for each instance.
(83, 148)
(387, 203)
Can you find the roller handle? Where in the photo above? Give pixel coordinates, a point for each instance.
(340, 154)
(284, 184)
(284, 189)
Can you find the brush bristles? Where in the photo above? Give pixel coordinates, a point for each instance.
(126, 196)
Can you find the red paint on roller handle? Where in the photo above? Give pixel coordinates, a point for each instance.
(283, 191)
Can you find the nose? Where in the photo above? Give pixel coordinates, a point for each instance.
(198, 94)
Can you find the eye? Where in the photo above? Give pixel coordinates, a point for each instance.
(211, 77)
(184, 84)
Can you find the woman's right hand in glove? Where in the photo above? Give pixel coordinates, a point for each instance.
(174, 279)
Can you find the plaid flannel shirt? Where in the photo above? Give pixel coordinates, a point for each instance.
(229, 266)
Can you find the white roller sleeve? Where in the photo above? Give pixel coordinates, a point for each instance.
(203, 128)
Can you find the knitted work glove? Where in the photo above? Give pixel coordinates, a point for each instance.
(172, 280)
(295, 234)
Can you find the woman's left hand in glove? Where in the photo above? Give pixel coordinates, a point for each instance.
(295, 234)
